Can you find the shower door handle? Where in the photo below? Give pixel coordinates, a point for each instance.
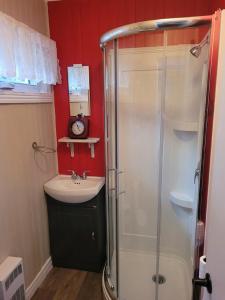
(122, 192)
(120, 172)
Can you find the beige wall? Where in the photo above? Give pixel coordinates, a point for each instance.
(31, 12)
(23, 219)
(23, 216)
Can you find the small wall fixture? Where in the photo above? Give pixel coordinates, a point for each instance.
(181, 200)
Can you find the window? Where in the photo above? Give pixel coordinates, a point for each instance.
(28, 62)
(23, 86)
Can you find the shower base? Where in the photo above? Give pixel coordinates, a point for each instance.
(136, 272)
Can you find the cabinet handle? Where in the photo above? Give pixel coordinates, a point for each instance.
(93, 206)
(93, 236)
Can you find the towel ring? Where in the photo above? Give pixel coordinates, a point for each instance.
(42, 149)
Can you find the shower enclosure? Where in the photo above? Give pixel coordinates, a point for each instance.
(156, 75)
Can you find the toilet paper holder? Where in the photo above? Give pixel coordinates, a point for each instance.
(203, 282)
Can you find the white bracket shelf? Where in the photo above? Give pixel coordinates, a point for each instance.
(191, 127)
(181, 200)
(70, 143)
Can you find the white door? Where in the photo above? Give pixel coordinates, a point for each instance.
(215, 224)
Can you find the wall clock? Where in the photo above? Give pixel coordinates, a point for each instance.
(78, 127)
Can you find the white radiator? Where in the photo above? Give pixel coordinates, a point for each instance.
(12, 279)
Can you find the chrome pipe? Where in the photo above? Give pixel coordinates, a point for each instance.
(108, 265)
(160, 24)
(196, 50)
(115, 46)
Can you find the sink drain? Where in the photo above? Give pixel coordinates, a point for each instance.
(160, 279)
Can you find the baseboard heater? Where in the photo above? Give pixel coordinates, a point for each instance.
(12, 279)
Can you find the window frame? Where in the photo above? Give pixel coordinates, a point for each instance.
(25, 93)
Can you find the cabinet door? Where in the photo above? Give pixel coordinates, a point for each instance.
(73, 238)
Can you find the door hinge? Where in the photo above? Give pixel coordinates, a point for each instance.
(203, 282)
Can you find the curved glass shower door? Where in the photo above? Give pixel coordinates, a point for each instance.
(140, 96)
(111, 165)
(155, 92)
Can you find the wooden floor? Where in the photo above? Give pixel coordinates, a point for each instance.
(66, 284)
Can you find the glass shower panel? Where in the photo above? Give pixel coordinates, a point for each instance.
(111, 165)
(140, 94)
(183, 122)
(155, 92)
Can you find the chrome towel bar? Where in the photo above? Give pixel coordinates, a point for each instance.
(42, 149)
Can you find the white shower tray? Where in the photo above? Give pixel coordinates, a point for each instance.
(181, 200)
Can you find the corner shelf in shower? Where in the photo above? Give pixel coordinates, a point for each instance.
(181, 200)
(191, 127)
(91, 141)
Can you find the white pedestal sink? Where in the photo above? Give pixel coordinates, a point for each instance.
(64, 189)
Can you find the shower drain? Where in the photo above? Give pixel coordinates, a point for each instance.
(160, 279)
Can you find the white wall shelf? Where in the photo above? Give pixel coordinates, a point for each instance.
(181, 200)
(70, 143)
(185, 126)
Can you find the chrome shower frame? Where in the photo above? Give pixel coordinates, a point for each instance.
(153, 25)
(114, 35)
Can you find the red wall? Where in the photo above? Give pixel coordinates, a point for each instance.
(76, 26)
(216, 4)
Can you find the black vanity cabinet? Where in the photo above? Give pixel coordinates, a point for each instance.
(78, 233)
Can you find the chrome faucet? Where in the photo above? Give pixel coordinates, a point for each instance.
(74, 175)
(84, 175)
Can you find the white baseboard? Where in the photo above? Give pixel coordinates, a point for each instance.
(46, 268)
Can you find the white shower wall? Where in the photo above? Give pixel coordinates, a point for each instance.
(184, 106)
(159, 84)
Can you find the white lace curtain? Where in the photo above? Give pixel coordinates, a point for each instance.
(26, 54)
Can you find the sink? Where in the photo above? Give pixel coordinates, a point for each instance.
(64, 189)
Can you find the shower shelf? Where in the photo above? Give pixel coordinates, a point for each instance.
(91, 141)
(181, 200)
(184, 126)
